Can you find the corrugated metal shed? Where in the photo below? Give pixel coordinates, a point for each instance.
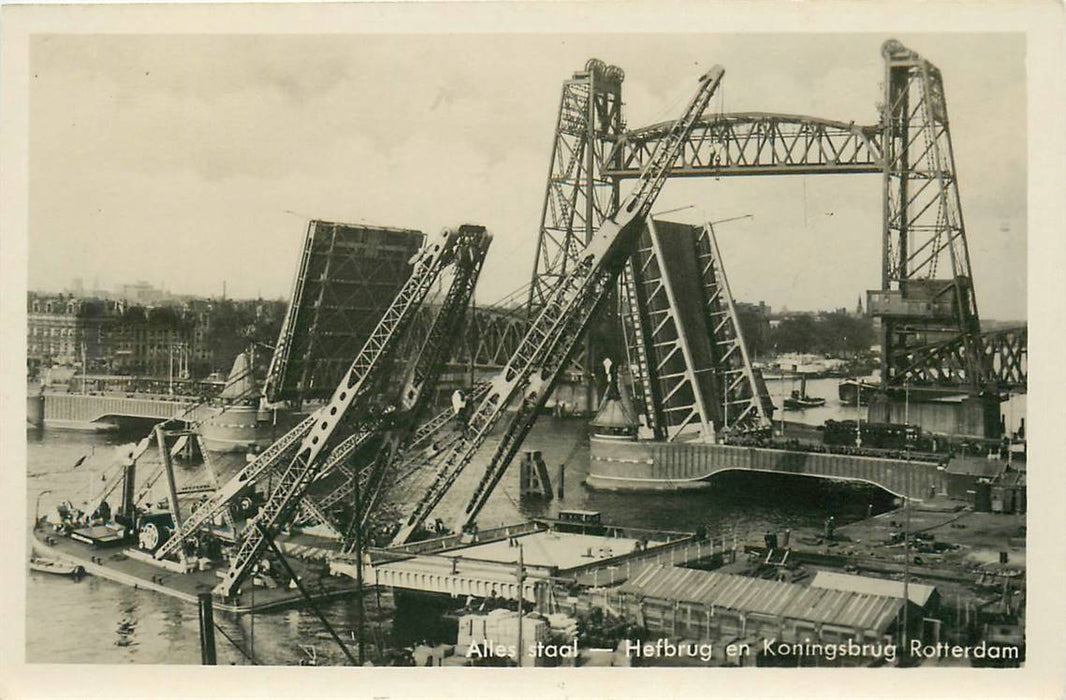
(918, 593)
(856, 610)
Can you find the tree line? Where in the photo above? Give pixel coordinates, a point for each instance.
(827, 333)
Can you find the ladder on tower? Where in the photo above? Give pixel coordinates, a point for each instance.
(636, 344)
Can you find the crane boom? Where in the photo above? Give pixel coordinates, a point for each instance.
(267, 460)
(419, 388)
(353, 392)
(552, 337)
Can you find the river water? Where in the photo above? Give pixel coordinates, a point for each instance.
(97, 621)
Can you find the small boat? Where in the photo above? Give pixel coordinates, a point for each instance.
(798, 403)
(799, 399)
(849, 390)
(54, 566)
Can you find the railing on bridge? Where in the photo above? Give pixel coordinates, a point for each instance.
(144, 387)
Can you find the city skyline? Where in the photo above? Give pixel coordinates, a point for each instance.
(103, 293)
(220, 157)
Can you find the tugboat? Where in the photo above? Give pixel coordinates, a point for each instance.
(799, 399)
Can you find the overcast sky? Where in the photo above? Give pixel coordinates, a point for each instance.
(189, 160)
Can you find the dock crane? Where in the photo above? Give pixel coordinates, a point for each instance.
(354, 415)
(553, 335)
(419, 388)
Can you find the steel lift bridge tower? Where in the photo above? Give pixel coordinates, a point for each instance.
(930, 327)
(554, 334)
(668, 363)
(579, 194)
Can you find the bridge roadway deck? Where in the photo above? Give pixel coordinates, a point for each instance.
(84, 410)
(652, 465)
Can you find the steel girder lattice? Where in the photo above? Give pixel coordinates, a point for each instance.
(687, 356)
(1003, 356)
(925, 258)
(489, 336)
(492, 336)
(757, 143)
(745, 404)
(667, 359)
(348, 276)
(579, 194)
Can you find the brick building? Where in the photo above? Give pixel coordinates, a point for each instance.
(67, 330)
(186, 339)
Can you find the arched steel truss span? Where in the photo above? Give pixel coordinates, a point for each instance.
(756, 143)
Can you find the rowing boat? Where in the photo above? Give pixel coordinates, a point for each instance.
(55, 566)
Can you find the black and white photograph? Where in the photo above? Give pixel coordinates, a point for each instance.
(667, 345)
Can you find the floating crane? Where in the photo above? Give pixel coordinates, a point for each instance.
(353, 416)
(553, 335)
(419, 388)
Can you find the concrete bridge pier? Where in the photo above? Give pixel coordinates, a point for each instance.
(960, 415)
(35, 410)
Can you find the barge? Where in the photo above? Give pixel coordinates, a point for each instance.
(131, 566)
(856, 391)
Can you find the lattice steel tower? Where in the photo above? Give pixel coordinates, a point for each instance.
(578, 195)
(927, 306)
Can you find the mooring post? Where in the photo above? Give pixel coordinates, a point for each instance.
(207, 630)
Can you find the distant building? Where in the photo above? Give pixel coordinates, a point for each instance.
(200, 354)
(62, 329)
(151, 342)
(183, 338)
(756, 324)
(140, 292)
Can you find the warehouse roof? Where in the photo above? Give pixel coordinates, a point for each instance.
(857, 610)
(918, 593)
